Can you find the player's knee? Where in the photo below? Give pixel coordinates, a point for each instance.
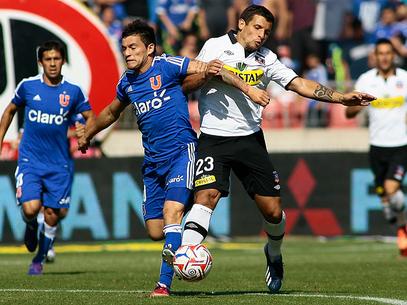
(208, 198)
(272, 211)
(156, 235)
(31, 210)
(62, 213)
(51, 216)
(173, 214)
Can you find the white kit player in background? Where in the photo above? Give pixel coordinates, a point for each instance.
(388, 134)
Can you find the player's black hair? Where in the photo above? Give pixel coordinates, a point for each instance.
(141, 28)
(383, 41)
(51, 45)
(259, 10)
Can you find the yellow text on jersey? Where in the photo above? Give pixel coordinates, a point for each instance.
(388, 102)
(250, 77)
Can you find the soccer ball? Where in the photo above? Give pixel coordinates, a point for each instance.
(192, 262)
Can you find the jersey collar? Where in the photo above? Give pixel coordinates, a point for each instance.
(232, 36)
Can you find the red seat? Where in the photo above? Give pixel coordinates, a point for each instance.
(337, 117)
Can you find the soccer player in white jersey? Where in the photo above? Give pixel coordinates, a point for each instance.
(44, 173)
(388, 133)
(231, 137)
(152, 85)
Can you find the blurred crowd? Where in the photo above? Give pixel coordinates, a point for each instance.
(329, 41)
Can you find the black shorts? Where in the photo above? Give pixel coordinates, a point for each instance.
(387, 163)
(247, 156)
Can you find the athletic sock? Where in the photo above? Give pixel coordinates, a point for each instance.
(172, 235)
(196, 225)
(396, 201)
(275, 233)
(47, 236)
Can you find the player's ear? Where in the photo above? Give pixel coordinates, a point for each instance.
(151, 49)
(241, 24)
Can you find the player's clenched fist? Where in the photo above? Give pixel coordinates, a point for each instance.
(213, 68)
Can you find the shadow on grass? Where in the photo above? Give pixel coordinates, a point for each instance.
(231, 292)
(66, 273)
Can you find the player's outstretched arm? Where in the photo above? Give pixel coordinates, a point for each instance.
(6, 119)
(201, 72)
(316, 91)
(106, 118)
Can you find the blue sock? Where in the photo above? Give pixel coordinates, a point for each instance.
(172, 240)
(47, 236)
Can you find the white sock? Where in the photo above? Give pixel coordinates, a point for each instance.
(275, 233)
(397, 204)
(40, 218)
(50, 231)
(196, 225)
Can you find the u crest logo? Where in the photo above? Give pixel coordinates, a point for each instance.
(155, 82)
(64, 100)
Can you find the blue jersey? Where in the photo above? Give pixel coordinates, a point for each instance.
(160, 106)
(48, 113)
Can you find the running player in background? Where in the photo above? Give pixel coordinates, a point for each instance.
(45, 169)
(231, 137)
(388, 133)
(152, 84)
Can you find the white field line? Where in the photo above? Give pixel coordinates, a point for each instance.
(294, 295)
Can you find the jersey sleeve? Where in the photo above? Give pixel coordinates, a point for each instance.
(280, 73)
(176, 66)
(19, 94)
(121, 91)
(209, 51)
(82, 102)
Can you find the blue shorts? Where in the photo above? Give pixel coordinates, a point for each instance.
(51, 186)
(168, 180)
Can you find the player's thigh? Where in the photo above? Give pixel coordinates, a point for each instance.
(57, 188)
(254, 167)
(397, 164)
(179, 183)
(154, 193)
(212, 170)
(28, 184)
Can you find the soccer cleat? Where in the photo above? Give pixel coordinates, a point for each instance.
(50, 257)
(35, 269)
(31, 236)
(168, 256)
(274, 272)
(402, 240)
(160, 290)
(389, 214)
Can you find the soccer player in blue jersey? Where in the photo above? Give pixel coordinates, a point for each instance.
(45, 169)
(152, 84)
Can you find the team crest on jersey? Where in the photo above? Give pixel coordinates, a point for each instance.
(399, 84)
(155, 82)
(241, 66)
(259, 57)
(64, 99)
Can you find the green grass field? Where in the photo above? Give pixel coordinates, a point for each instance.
(333, 272)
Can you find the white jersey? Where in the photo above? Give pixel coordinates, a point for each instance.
(387, 114)
(225, 110)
